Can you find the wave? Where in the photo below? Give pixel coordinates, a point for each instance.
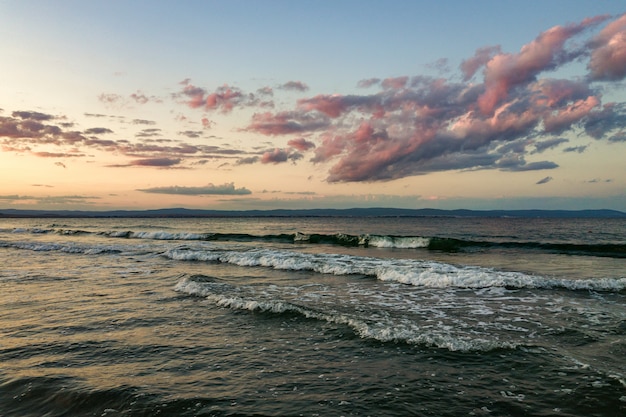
(405, 271)
(433, 243)
(56, 247)
(382, 329)
(614, 250)
(413, 272)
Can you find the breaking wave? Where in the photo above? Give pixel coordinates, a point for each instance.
(406, 271)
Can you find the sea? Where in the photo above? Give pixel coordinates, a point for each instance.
(312, 316)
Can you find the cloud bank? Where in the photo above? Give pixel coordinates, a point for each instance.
(210, 189)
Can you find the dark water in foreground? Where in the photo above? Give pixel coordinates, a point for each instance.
(313, 317)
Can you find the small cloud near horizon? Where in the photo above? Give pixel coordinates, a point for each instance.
(210, 189)
(544, 180)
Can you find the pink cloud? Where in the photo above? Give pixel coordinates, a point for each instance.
(139, 97)
(301, 144)
(565, 117)
(394, 83)
(194, 94)
(336, 105)
(330, 105)
(224, 98)
(275, 156)
(331, 146)
(554, 93)
(608, 59)
(480, 58)
(206, 123)
(505, 71)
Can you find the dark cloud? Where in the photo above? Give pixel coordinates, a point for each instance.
(544, 180)
(549, 144)
(277, 156)
(295, 86)
(533, 166)
(618, 137)
(191, 133)
(287, 122)
(155, 162)
(97, 131)
(210, 189)
(579, 149)
(248, 160)
(265, 91)
(32, 115)
(58, 155)
(368, 82)
(147, 133)
(599, 123)
(143, 122)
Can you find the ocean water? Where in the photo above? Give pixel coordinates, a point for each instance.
(313, 317)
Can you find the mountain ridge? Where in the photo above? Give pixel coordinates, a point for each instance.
(352, 212)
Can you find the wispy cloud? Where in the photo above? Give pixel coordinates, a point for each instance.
(48, 200)
(40, 135)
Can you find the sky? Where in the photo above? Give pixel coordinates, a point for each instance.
(265, 104)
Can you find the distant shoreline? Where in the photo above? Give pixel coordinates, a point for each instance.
(354, 212)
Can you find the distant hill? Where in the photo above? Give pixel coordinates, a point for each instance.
(354, 212)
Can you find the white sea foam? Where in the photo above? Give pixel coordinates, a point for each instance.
(398, 242)
(412, 272)
(380, 327)
(161, 235)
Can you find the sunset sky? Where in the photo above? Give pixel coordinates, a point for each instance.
(312, 104)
